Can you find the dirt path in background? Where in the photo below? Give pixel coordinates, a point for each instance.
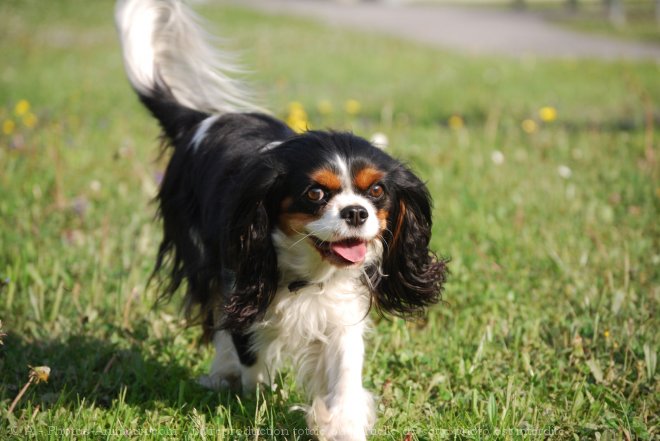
(465, 29)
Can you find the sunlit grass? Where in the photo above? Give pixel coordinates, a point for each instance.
(545, 181)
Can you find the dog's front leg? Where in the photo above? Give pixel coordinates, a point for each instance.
(346, 412)
(226, 367)
(235, 366)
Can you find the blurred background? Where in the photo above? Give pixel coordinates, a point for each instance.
(537, 27)
(534, 124)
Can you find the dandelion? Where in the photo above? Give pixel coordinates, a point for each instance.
(324, 107)
(40, 374)
(456, 122)
(564, 171)
(529, 126)
(22, 108)
(547, 114)
(30, 120)
(37, 375)
(8, 126)
(297, 118)
(295, 106)
(606, 334)
(497, 157)
(352, 107)
(380, 140)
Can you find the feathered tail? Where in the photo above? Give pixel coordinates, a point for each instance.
(172, 65)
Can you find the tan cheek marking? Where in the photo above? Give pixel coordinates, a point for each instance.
(294, 223)
(285, 204)
(328, 179)
(382, 216)
(366, 177)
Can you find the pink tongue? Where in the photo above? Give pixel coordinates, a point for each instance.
(351, 251)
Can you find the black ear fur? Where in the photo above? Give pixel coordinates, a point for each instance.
(412, 275)
(249, 251)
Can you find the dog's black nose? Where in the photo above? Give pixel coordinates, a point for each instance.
(354, 215)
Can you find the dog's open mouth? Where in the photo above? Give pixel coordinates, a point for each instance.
(342, 252)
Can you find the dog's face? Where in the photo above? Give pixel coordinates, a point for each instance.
(322, 204)
(332, 216)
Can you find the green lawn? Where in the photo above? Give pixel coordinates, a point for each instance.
(550, 322)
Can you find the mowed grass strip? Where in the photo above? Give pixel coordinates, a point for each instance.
(545, 181)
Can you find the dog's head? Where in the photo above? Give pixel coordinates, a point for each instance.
(321, 204)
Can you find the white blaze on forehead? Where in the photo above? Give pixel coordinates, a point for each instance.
(344, 175)
(330, 226)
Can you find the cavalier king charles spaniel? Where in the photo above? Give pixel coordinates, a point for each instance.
(285, 241)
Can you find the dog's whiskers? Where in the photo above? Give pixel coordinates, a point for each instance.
(305, 236)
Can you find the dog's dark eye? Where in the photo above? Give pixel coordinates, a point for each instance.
(376, 191)
(315, 194)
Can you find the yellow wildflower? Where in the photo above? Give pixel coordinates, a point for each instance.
(30, 120)
(295, 106)
(548, 114)
(456, 122)
(298, 124)
(22, 108)
(353, 107)
(324, 107)
(606, 334)
(8, 127)
(39, 374)
(297, 118)
(529, 126)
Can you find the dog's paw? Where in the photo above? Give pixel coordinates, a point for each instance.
(217, 382)
(344, 422)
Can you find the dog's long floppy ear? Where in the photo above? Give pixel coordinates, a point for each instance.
(248, 247)
(412, 275)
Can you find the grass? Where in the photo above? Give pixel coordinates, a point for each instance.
(550, 323)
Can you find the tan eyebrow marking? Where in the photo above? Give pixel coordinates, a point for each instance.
(367, 177)
(327, 178)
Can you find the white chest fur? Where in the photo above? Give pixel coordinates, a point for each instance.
(311, 319)
(319, 330)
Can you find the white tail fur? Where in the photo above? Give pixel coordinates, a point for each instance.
(164, 46)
